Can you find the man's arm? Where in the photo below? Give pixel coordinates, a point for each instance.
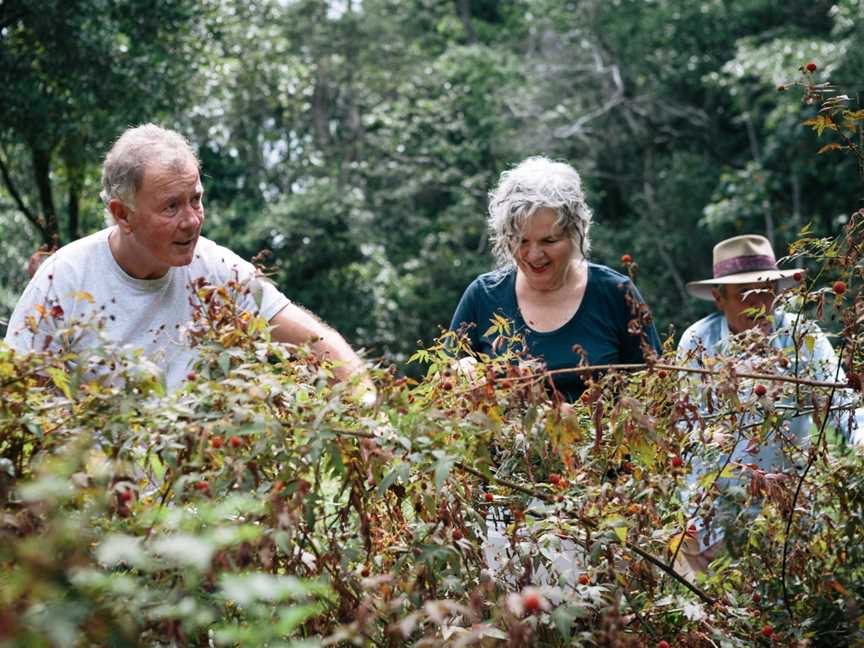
(296, 325)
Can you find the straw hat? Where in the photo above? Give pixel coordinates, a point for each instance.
(743, 260)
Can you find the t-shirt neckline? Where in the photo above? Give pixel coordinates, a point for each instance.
(145, 285)
(565, 324)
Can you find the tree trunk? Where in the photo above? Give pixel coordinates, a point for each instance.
(42, 176)
(73, 226)
(464, 8)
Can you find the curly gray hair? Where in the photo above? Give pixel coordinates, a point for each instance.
(535, 183)
(124, 166)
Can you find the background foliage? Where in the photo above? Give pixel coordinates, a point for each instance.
(261, 505)
(357, 140)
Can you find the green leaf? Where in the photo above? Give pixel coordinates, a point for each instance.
(7, 467)
(185, 550)
(246, 589)
(442, 470)
(120, 549)
(709, 478)
(46, 488)
(60, 380)
(389, 479)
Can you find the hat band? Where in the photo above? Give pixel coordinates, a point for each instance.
(744, 264)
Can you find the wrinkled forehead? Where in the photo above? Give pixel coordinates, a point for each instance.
(171, 176)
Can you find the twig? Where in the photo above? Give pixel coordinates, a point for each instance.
(593, 525)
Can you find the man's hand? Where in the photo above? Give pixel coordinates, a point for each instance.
(296, 325)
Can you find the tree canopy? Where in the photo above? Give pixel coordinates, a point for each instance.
(357, 140)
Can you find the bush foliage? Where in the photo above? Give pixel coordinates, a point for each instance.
(264, 505)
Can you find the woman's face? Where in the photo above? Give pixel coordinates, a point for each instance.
(544, 252)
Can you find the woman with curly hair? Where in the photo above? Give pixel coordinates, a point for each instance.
(568, 311)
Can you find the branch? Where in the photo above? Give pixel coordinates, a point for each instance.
(593, 525)
(16, 196)
(699, 370)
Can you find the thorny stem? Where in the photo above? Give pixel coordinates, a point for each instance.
(593, 525)
(810, 461)
(699, 370)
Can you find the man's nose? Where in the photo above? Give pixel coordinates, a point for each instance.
(192, 217)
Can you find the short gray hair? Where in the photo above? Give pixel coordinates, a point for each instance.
(535, 183)
(124, 166)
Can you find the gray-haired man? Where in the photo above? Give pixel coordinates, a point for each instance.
(136, 276)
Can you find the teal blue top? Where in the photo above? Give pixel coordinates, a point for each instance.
(601, 326)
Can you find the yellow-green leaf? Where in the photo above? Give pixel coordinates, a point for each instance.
(60, 380)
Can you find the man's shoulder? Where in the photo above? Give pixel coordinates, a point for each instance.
(705, 331)
(72, 259)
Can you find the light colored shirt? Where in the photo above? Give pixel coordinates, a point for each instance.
(782, 451)
(82, 282)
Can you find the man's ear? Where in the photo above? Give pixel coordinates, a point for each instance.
(718, 298)
(120, 212)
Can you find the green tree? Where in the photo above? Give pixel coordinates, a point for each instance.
(74, 74)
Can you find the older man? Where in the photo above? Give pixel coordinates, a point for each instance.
(135, 277)
(744, 287)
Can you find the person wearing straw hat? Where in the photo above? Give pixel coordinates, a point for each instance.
(751, 327)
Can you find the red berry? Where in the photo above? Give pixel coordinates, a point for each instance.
(662, 373)
(692, 530)
(839, 287)
(626, 259)
(125, 495)
(447, 385)
(235, 441)
(56, 311)
(365, 572)
(584, 580)
(202, 486)
(760, 390)
(767, 631)
(457, 534)
(757, 597)
(811, 67)
(677, 461)
(531, 601)
(797, 276)
(555, 478)
(489, 497)
(216, 442)
(663, 644)
(191, 376)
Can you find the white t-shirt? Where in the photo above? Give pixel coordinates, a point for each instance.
(82, 281)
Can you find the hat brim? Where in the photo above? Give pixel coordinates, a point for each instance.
(702, 289)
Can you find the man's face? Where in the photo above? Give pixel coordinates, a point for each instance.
(166, 221)
(734, 300)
